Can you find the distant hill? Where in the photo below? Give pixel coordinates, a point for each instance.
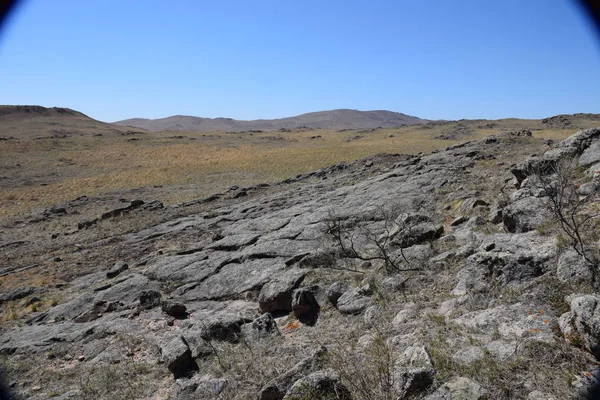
(36, 121)
(334, 119)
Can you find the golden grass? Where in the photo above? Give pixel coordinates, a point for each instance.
(72, 167)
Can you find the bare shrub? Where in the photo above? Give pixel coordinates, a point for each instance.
(356, 238)
(571, 208)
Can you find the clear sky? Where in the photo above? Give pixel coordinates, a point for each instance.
(117, 59)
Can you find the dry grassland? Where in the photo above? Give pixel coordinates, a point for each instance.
(184, 166)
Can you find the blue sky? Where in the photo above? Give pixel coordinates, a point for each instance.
(117, 59)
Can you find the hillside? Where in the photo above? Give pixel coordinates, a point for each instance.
(40, 122)
(335, 119)
(438, 275)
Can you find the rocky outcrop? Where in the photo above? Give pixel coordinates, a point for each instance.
(443, 263)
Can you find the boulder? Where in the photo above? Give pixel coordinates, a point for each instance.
(573, 268)
(174, 309)
(335, 291)
(414, 371)
(222, 328)
(263, 326)
(116, 269)
(305, 306)
(178, 357)
(276, 296)
(355, 301)
(323, 384)
(581, 326)
(416, 234)
(525, 215)
(459, 389)
(277, 388)
(149, 299)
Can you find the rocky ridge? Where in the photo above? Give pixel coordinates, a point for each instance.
(438, 277)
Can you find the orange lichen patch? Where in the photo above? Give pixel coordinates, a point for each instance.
(530, 312)
(546, 321)
(542, 312)
(587, 374)
(291, 326)
(535, 330)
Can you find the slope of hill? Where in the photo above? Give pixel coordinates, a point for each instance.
(433, 276)
(334, 119)
(35, 121)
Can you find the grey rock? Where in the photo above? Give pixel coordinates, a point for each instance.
(262, 327)
(117, 269)
(276, 296)
(210, 388)
(573, 268)
(415, 371)
(512, 322)
(468, 355)
(222, 327)
(150, 299)
(174, 309)
(371, 315)
(423, 232)
(582, 324)
(589, 188)
(472, 203)
(305, 306)
(178, 357)
(335, 291)
(233, 279)
(460, 388)
(354, 301)
(591, 155)
(525, 215)
(323, 384)
(461, 219)
(277, 388)
(16, 294)
(514, 259)
(537, 395)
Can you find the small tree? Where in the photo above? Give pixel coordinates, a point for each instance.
(570, 207)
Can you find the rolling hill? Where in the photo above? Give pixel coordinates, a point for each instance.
(334, 119)
(27, 122)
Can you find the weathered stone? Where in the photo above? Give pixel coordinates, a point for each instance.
(150, 299)
(459, 220)
(582, 324)
(525, 215)
(423, 232)
(354, 301)
(323, 384)
(276, 296)
(537, 395)
(278, 387)
(459, 389)
(305, 306)
(335, 291)
(178, 357)
(16, 294)
(117, 269)
(174, 309)
(468, 355)
(573, 268)
(262, 327)
(414, 371)
(221, 327)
